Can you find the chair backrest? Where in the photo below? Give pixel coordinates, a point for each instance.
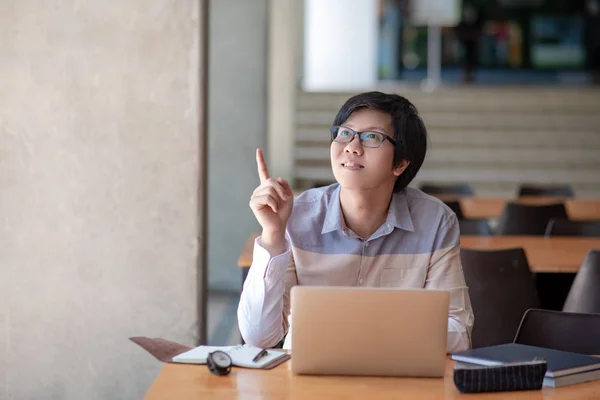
(584, 295)
(455, 206)
(558, 330)
(565, 227)
(546, 191)
(526, 219)
(475, 227)
(501, 288)
(463, 189)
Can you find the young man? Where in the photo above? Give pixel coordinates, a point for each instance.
(369, 229)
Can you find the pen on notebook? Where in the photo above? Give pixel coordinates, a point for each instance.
(260, 355)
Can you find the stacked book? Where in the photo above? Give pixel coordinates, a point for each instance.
(564, 368)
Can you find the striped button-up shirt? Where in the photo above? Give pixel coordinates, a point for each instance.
(416, 247)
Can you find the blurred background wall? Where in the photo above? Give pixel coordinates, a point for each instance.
(238, 124)
(494, 138)
(98, 203)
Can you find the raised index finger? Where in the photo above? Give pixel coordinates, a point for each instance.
(263, 172)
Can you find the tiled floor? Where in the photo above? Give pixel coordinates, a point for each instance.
(222, 318)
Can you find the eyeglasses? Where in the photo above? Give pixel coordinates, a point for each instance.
(341, 134)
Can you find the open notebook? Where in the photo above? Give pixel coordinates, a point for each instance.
(241, 356)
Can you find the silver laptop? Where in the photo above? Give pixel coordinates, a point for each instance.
(369, 331)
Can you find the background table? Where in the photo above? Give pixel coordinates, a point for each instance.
(553, 254)
(491, 207)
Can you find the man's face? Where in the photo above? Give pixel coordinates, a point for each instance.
(359, 167)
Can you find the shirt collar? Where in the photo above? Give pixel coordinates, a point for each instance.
(398, 213)
(333, 216)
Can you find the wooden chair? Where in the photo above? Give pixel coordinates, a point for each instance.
(463, 189)
(501, 288)
(526, 219)
(546, 190)
(565, 227)
(473, 226)
(559, 330)
(584, 295)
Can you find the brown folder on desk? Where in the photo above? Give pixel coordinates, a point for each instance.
(163, 350)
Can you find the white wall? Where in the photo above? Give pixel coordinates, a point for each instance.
(340, 44)
(98, 204)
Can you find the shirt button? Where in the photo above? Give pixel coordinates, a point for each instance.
(345, 231)
(367, 244)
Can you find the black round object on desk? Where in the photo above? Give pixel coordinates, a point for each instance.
(219, 363)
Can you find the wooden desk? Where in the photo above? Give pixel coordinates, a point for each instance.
(195, 382)
(555, 254)
(489, 207)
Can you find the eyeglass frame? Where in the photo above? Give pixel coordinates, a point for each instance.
(331, 128)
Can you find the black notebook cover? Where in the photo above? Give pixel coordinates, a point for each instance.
(559, 362)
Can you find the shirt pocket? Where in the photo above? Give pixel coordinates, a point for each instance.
(402, 277)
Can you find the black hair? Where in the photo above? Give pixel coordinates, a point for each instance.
(409, 130)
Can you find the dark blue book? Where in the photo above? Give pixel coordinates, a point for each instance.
(564, 368)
